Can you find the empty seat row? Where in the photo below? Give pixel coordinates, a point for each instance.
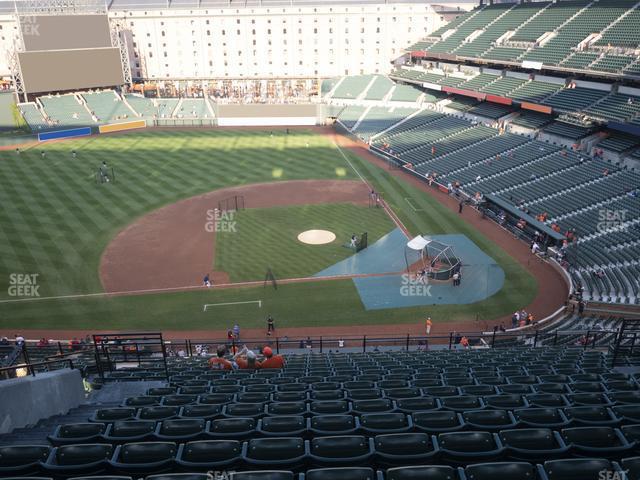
(296, 453)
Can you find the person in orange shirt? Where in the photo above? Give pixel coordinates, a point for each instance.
(246, 360)
(219, 362)
(428, 324)
(271, 360)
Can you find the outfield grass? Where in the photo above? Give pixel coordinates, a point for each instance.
(267, 238)
(55, 221)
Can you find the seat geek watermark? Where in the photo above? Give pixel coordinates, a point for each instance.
(611, 220)
(613, 475)
(30, 26)
(221, 221)
(23, 285)
(411, 287)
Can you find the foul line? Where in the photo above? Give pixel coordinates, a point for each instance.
(204, 309)
(413, 207)
(386, 207)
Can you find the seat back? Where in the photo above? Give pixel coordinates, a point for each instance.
(18, 455)
(83, 454)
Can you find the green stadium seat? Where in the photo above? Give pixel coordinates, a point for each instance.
(22, 460)
(180, 476)
(263, 475)
(252, 397)
(401, 449)
(204, 411)
(603, 442)
(378, 423)
(346, 450)
(576, 469)
(632, 467)
(533, 444)
(420, 404)
(326, 395)
(340, 473)
(163, 412)
(510, 470)
(141, 401)
(333, 425)
(377, 405)
(289, 452)
(282, 426)
(77, 433)
(161, 391)
(591, 416)
(364, 394)
(180, 430)
(627, 413)
(244, 410)
(435, 472)
(81, 459)
(329, 407)
(209, 454)
(547, 400)
(489, 420)
(286, 408)
(438, 422)
(464, 447)
(130, 431)
(462, 403)
(144, 458)
(289, 396)
(232, 428)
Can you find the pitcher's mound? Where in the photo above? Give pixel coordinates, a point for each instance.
(317, 237)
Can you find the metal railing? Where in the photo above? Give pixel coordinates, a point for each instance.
(31, 369)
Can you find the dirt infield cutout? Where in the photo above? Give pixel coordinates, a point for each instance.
(317, 237)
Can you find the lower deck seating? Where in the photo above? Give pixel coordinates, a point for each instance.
(543, 413)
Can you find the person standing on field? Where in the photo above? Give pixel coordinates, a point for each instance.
(271, 327)
(428, 324)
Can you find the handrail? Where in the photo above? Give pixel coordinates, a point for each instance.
(31, 366)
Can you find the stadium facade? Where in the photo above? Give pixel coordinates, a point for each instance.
(225, 40)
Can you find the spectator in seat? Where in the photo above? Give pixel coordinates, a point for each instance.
(246, 359)
(219, 362)
(271, 360)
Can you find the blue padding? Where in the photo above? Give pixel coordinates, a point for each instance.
(74, 132)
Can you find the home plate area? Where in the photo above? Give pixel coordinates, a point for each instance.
(383, 282)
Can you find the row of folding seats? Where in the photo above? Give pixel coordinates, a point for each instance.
(569, 469)
(512, 375)
(377, 417)
(433, 383)
(296, 453)
(408, 403)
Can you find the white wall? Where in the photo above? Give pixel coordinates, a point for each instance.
(281, 42)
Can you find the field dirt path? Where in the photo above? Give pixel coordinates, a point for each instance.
(174, 246)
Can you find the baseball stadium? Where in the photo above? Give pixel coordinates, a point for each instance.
(294, 240)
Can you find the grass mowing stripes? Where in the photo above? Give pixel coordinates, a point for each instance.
(267, 237)
(55, 220)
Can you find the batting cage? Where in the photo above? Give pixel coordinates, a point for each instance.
(439, 260)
